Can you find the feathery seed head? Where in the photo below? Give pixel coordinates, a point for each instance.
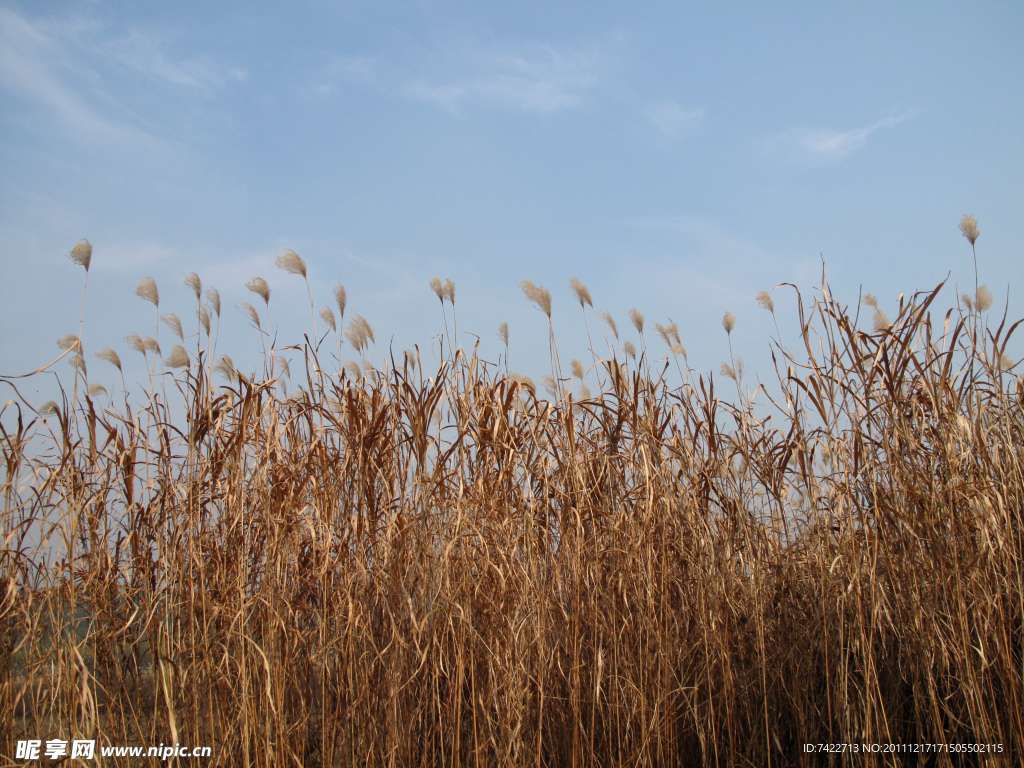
(341, 299)
(367, 331)
(549, 384)
(727, 370)
(449, 291)
(410, 359)
(259, 286)
(213, 296)
(969, 227)
(178, 357)
(539, 295)
(225, 367)
(95, 390)
(638, 320)
(77, 361)
(291, 263)
(966, 298)
(437, 288)
(584, 392)
(983, 299)
(678, 349)
(881, 321)
(524, 380)
(673, 331)
(173, 322)
(327, 315)
(81, 254)
(869, 300)
(282, 367)
(249, 311)
(204, 318)
(354, 370)
(582, 292)
(49, 408)
(630, 349)
(146, 289)
(134, 341)
(729, 322)
(577, 369)
(67, 341)
(503, 333)
(150, 345)
(108, 355)
(192, 281)
(765, 300)
(1006, 362)
(607, 317)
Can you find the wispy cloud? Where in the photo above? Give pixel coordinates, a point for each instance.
(671, 119)
(832, 145)
(540, 78)
(144, 53)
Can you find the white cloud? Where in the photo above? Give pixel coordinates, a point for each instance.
(144, 54)
(540, 79)
(836, 144)
(671, 119)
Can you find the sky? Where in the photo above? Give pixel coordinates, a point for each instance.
(675, 157)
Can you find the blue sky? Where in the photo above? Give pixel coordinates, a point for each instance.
(676, 158)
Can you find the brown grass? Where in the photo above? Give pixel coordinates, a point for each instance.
(652, 576)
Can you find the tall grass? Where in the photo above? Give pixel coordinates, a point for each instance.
(438, 568)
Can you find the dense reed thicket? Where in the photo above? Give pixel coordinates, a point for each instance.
(441, 568)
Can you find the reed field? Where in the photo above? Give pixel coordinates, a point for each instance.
(401, 563)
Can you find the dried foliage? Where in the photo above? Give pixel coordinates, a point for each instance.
(400, 569)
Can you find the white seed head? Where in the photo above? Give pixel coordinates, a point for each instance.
(204, 318)
(503, 333)
(437, 288)
(95, 390)
(577, 369)
(729, 322)
(146, 289)
(213, 296)
(67, 341)
(881, 321)
(969, 227)
(966, 298)
(449, 291)
(225, 367)
(249, 311)
(49, 408)
(173, 322)
(327, 315)
(765, 300)
(637, 319)
(679, 349)
(607, 317)
(259, 286)
(341, 299)
(630, 349)
(869, 300)
(983, 299)
(291, 263)
(726, 370)
(81, 254)
(582, 292)
(134, 341)
(539, 295)
(192, 281)
(108, 355)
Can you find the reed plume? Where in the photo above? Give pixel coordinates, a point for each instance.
(147, 290)
(192, 281)
(81, 254)
(178, 357)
